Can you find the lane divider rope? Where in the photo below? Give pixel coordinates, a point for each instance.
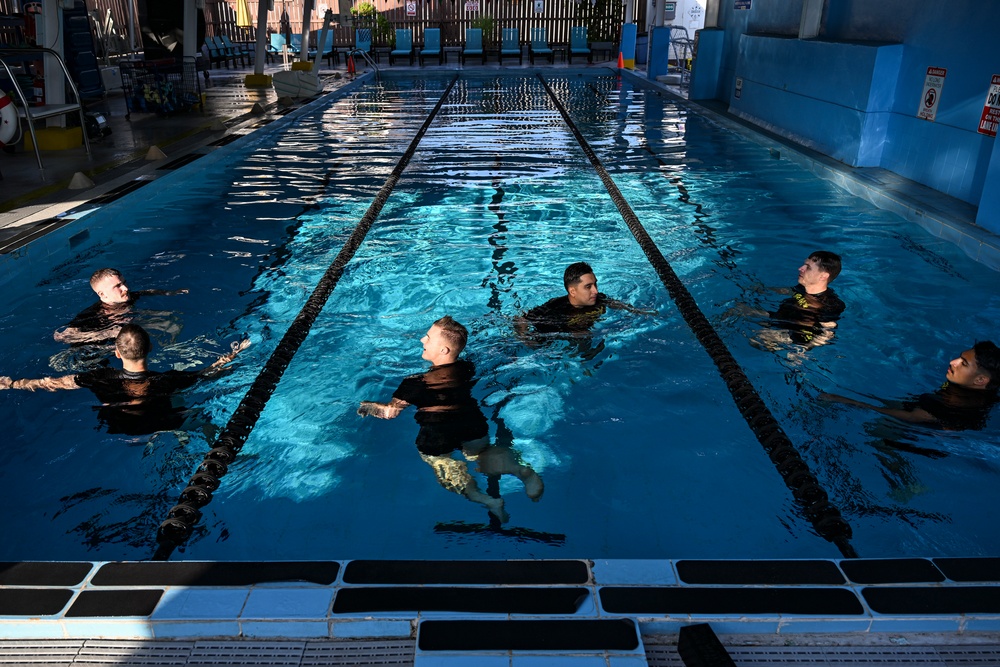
(811, 497)
(181, 519)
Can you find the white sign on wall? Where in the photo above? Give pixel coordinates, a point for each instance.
(472, 5)
(411, 7)
(933, 83)
(990, 119)
(539, 6)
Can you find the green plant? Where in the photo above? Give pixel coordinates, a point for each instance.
(366, 16)
(603, 19)
(486, 23)
(383, 33)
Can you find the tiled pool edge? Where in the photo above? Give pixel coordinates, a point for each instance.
(69, 601)
(941, 215)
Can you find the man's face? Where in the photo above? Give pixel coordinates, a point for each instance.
(112, 289)
(584, 292)
(811, 275)
(964, 371)
(433, 343)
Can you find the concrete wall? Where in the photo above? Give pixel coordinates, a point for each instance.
(854, 92)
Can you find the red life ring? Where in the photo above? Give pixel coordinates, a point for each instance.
(8, 119)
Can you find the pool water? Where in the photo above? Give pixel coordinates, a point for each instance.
(641, 449)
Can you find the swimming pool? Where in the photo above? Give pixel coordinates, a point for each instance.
(643, 453)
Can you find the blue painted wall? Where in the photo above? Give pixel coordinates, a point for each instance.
(948, 154)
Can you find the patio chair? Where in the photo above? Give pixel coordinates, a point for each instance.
(510, 45)
(578, 43)
(327, 51)
(539, 45)
(277, 44)
(404, 45)
(217, 53)
(432, 45)
(295, 44)
(244, 54)
(362, 41)
(473, 44)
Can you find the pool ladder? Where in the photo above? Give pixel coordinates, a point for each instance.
(367, 57)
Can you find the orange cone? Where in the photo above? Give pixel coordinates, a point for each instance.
(621, 61)
(350, 64)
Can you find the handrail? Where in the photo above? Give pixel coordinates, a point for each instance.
(366, 56)
(60, 109)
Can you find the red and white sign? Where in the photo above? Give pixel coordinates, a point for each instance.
(472, 5)
(933, 84)
(411, 7)
(991, 110)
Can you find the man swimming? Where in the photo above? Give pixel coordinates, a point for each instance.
(134, 400)
(577, 312)
(450, 420)
(964, 400)
(101, 322)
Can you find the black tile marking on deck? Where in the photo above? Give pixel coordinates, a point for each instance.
(759, 572)
(135, 602)
(27, 234)
(33, 601)
(181, 161)
(466, 572)
(119, 192)
(228, 139)
(891, 571)
(699, 647)
(726, 600)
(906, 600)
(193, 573)
(583, 635)
(518, 600)
(970, 569)
(43, 574)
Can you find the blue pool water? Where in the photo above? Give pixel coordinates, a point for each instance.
(641, 448)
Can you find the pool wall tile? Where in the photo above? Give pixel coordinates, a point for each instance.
(30, 629)
(662, 626)
(982, 624)
(922, 624)
(627, 661)
(187, 603)
(189, 629)
(460, 660)
(636, 572)
(738, 625)
(108, 628)
(271, 603)
(823, 625)
(371, 628)
(522, 660)
(285, 629)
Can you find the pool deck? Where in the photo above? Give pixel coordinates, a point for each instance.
(526, 613)
(621, 613)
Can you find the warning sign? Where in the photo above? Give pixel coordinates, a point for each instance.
(411, 7)
(933, 84)
(991, 110)
(472, 5)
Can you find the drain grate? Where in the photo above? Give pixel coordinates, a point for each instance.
(371, 652)
(215, 654)
(842, 656)
(138, 653)
(49, 652)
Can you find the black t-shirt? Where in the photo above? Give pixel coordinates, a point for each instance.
(560, 316)
(957, 408)
(138, 403)
(107, 317)
(446, 411)
(802, 313)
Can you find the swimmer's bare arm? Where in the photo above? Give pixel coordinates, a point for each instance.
(235, 348)
(160, 292)
(73, 335)
(48, 384)
(627, 307)
(388, 410)
(915, 415)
